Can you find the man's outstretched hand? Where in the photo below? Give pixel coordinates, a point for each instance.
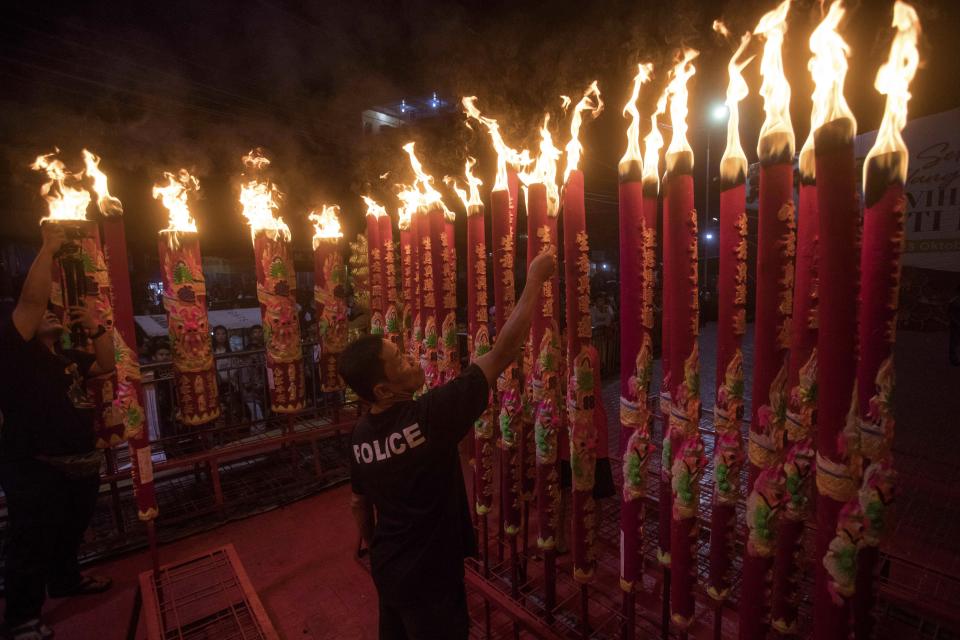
(543, 266)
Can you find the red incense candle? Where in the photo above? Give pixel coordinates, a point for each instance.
(185, 301)
(836, 369)
(129, 396)
(408, 302)
(392, 321)
(421, 228)
(801, 405)
(508, 386)
(581, 399)
(374, 250)
(449, 342)
(431, 256)
(331, 308)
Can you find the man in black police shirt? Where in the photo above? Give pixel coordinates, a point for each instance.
(49, 467)
(404, 463)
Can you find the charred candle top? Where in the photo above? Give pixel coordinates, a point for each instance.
(471, 195)
(828, 66)
(326, 224)
(777, 141)
(544, 169)
(679, 153)
(66, 197)
(631, 164)
(506, 157)
(261, 198)
(733, 164)
(175, 195)
(887, 160)
(653, 143)
(593, 105)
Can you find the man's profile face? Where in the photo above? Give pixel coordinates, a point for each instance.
(49, 325)
(403, 374)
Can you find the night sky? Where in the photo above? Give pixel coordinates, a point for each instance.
(159, 86)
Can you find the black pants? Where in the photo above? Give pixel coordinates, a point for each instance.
(48, 513)
(441, 618)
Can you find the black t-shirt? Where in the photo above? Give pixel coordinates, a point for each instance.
(45, 406)
(405, 462)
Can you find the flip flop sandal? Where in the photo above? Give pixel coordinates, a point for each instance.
(88, 585)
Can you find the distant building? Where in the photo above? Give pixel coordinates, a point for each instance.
(407, 110)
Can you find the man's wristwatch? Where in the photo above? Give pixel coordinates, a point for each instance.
(99, 332)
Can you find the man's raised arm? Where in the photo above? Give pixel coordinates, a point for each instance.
(514, 333)
(36, 288)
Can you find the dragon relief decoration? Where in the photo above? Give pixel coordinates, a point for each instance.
(798, 467)
(545, 395)
(766, 442)
(429, 352)
(876, 432)
(840, 560)
(688, 466)
(803, 402)
(329, 299)
(763, 506)
(728, 454)
(581, 401)
(636, 415)
(876, 498)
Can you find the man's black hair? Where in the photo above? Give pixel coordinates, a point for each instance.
(361, 366)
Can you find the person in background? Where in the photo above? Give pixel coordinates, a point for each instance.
(226, 373)
(49, 466)
(405, 467)
(253, 376)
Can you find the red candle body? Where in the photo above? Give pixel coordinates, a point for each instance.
(431, 285)
(393, 328)
(374, 251)
(508, 385)
(883, 238)
(185, 301)
(581, 399)
(449, 342)
(276, 281)
(637, 246)
(478, 337)
(330, 280)
(728, 454)
(775, 275)
(686, 462)
(801, 404)
(129, 397)
(836, 370)
(544, 395)
(421, 229)
(408, 302)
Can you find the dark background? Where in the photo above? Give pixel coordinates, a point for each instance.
(158, 86)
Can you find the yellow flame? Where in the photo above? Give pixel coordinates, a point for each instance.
(544, 168)
(174, 196)
(775, 89)
(66, 198)
(893, 80)
(828, 66)
(633, 154)
(108, 205)
(423, 195)
(734, 160)
(654, 142)
(721, 28)
(677, 90)
(471, 195)
(592, 104)
(506, 157)
(326, 224)
(374, 208)
(260, 199)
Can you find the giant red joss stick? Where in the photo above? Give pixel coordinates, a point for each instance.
(798, 460)
(636, 353)
(392, 321)
(581, 390)
(276, 281)
(329, 283)
(449, 342)
(185, 301)
(407, 262)
(728, 452)
(375, 264)
(838, 522)
(774, 305)
(885, 173)
(683, 458)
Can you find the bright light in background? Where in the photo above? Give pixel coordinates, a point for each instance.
(719, 112)
(708, 235)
